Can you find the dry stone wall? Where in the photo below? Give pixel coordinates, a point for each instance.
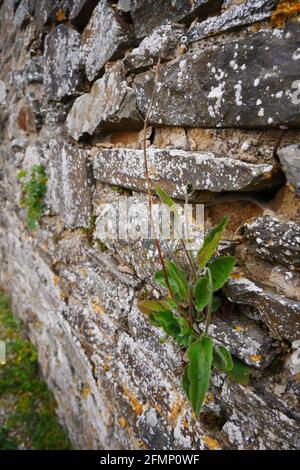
(76, 79)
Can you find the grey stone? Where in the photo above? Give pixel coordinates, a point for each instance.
(280, 314)
(290, 161)
(2, 92)
(110, 105)
(163, 42)
(274, 240)
(146, 14)
(251, 82)
(62, 63)
(174, 169)
(244, 338)
(105, 37)
(69, 190)
(239, 15)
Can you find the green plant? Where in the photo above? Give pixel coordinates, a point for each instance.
(186, 312)
(33, 187)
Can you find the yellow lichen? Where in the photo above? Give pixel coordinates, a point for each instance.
(97, 308)
(122, 422)
(256, 357)
(60, 15)
(284, 11)
(239, 328)
(133, 400)
(211, 443)
(86, 391)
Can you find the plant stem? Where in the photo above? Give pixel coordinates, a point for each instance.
(156, 241)
(209, 306)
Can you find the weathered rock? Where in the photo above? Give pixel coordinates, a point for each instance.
(275, 240)
(106, 37)
(174, 169)
(163, 42)
(81, 11)
(290, 161)
(251, 82)
(69, 188)
(280, 314)
(110, 105)
(253, 423)
(146, 15)
(62, 75)
(2, 93)
(238, 15)
(244, 338)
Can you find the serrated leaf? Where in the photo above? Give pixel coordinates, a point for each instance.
(152, 306)
(210, 243)
(216, 303)
(225, 357)
(221, 269)
(240, 372)
(201, 293)
(199, 370)
(186, 382)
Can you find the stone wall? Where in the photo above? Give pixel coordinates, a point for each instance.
(76, 78)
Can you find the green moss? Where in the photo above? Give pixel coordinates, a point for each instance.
(31, 419)
(101, 245)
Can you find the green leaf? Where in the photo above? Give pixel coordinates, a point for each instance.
(21, 174)
(201, 293)
(186, 382)
(225, 357)
(165, 198)
(186, 335)
(221, 269)
(152, 306)
(240, 372)
(177, 280)
(210, 243)
(168, 322)
(216, 303)
(199, 370)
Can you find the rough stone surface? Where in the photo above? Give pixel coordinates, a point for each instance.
(105, 38)
(238, 15)
(69, 189)
(163, 42)
(281, 315)
(117, 384)
(146, 15)
(174, 169)
(110, 105)
(290, 161)
(62, 75)
(240, 84)
(273, 239)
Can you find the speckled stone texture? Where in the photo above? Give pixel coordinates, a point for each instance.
(76, 79)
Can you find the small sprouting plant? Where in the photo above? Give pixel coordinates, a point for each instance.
(33, 185)
(185, 313)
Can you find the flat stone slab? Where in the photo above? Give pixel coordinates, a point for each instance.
(248, 12)
(251, 83)
(290, 160)
(274, 240)
(110, 105)
(174, 169)
(280, 314)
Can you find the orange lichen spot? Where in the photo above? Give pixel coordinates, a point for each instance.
(211, 443)
(236, 275)
(209, 397)
(256, 357)
(176, 410)
(133, 400)
(158, 407)
(185, 423)
(60, 15)
(106, 366)
(97, 308)
(297, 377)
(256, 27)
(56, 280)
(122, 422)
(86, 391)
(284, 11)
(239, 328)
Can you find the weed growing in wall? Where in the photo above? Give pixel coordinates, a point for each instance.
(34, 186)
(186, 312)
